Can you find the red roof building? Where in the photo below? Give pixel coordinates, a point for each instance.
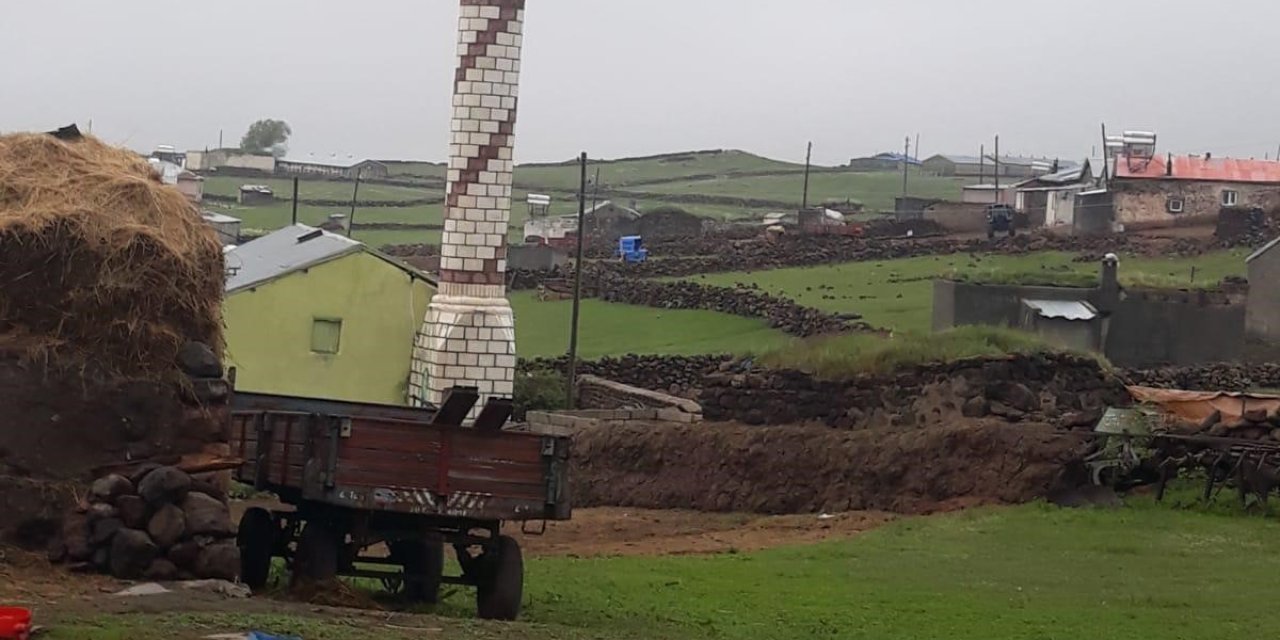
(1167, 191)
(1200, 168)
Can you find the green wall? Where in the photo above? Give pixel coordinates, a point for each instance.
(381, 307)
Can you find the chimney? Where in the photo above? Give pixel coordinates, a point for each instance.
(1168, 166)
(1208, 156)
(1109, 288)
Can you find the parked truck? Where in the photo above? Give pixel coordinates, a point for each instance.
(359, 478)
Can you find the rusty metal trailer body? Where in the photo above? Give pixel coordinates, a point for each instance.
(358, 475)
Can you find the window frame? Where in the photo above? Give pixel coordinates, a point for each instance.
(316, 322)
(1179, 201)
(1234, 197)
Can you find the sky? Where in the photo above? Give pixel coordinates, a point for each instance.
(622, 78)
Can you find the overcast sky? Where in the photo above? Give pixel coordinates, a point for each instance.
(633, 77)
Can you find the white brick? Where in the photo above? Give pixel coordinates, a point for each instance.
(452, 264)
(449, 358)
(490, 12)
(469, 11)
(510, 77)
(507, 102)
(480, 139)
(490, 102)
(470, 333)
(486, 202)
(491, 75)
(480, 87)
(464, 226)
(472, 264)
(465, 251)
(471, 125)
(456, 346)
(502, 265)
(497, 347)
(476, 214)
(504, 64)
(471, 100)
(476, 76)
(506, 39)
(485, 386)
(489, 126)
(477, 347)
(495, 216)
(449, 250)
(485, 253)
(468, 359)
(505, 361)
(454, 373)
(504, 388)
(488, 177)
(496, 373)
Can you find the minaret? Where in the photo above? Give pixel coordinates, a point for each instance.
(468, 337)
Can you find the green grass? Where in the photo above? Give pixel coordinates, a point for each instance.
(898, 294)
(836, 357)
(179, 625)
(542, 329)
(876, 190)
(1031, 572)
(319, 189)
(626, 172)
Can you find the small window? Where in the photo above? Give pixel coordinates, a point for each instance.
(326, 335)
(1230, 198)
(1175, 205)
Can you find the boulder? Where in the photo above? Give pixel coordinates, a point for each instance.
(133, 511)
(184, 554)
(132, 552)
(161, 569)
(166, 484)
(101, 511)
(75, 536)
(104, 530)
(167, 526)
(141, 472)
(219, 560)
(206, 516)
(975, 407)
(108, 488)
(196, 359)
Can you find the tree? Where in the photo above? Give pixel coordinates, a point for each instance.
(265, 136)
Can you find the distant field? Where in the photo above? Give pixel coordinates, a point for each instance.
(624, 173)
(876, 191)
(542, 329)
(898, 294)
(319, 189)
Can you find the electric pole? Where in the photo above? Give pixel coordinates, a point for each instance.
(808, 158)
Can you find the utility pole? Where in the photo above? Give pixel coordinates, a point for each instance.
(577, 285)
(982, 163)
(220, 138)
(355, 195)
(997, 169)
(295, 201)
(808, 158)
(917, 147)
(595, 193)
(905, 164)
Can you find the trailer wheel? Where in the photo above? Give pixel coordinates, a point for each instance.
(256, 538)
(317, 557)
(500, 587)
(423, 564)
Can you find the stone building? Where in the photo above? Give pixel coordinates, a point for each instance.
(1173, 190)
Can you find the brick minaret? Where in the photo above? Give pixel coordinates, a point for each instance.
(468, 337)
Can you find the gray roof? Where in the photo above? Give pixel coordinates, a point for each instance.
(282, 252)
(958, 159)
(1265, 248)
(1065, 309)
(218, 218)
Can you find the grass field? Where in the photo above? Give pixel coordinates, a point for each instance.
(898, 294)
(542, 329)
(1032, 572)
(561, 181)
(875, 191)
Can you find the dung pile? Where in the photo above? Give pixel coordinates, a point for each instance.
(160, 523)
(101, 264)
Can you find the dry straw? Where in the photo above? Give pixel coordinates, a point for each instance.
(102, 265)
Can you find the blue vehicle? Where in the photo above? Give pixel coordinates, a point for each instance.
(631, 249)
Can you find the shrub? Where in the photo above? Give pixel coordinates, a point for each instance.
(540, 390)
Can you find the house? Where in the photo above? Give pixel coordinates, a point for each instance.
(669, 223)
(227, 227)
(989, 194)
(951, 165)
(608, 221)
(332, 167)
(311, 313)
(255, 194)
(537, 257)
(1050, 200)
(190, 184)
(231, 160)
(1262, 315)
(1154, 192)
(888, 161)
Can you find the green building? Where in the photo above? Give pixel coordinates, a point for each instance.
(314, 314)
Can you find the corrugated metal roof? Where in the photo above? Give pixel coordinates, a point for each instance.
(218, 218)
(1198, 168)
(342, 162)
(1265, 248)
(282, 252)
(1065, 309)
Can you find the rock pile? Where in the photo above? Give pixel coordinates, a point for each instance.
(1211, 377)
(1061, 389)
(158, 523)
(676, 375)
(781, 313)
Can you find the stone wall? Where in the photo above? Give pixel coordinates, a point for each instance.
(1065, 390)
(1150, 328)
(958, 217)
(681, 376)
(598, 393)
(1213, 377)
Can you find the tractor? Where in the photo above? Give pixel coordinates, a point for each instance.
(1000, 219)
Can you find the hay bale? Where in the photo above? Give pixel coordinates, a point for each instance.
(101, 264)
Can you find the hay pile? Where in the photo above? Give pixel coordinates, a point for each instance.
(102, 266)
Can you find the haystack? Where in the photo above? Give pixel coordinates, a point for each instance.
(102, 266)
